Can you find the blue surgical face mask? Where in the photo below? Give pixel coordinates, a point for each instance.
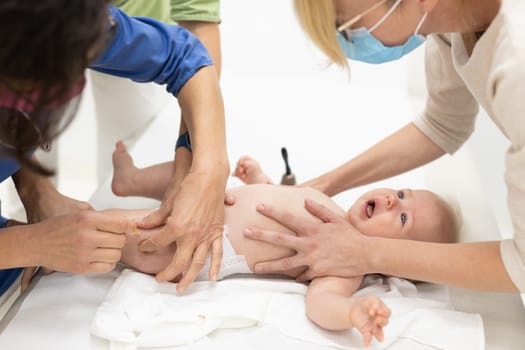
(364, 47)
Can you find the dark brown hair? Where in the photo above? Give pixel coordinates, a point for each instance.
(47, 45)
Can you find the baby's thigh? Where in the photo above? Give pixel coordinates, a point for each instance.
(151, 263)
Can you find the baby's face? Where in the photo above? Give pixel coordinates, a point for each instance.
(404, 214)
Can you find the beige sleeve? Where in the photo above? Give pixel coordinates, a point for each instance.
(509, 106)
(451, 110)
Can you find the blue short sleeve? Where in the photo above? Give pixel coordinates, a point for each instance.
(146, 50)
(7, 168)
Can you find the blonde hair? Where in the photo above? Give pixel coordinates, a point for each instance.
(318, 21)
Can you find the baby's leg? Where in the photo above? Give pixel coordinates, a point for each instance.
(151, 263)
(250, 172)
(128, 180)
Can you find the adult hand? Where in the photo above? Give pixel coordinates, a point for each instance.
(50, 205)
(331, 248)
(194, 218)
(83, 242)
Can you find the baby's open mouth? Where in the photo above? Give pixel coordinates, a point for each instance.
(370, 206)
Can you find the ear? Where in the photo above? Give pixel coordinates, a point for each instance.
(427, 5)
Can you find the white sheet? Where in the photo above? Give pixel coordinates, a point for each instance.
(138, 312)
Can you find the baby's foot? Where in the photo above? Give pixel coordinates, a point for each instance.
(123, 171)
(250, 172)
(369, 315)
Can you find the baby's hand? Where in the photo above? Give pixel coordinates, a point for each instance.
(369, 315)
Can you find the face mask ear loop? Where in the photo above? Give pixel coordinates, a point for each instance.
(421, 23)
(358, 17)
(374, 27)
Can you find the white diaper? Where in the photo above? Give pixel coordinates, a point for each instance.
(231, 263)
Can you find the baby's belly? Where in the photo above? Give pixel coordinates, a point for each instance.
(256, 251)
(244, 215)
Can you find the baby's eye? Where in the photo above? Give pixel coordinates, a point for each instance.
(403, 218)
(401, 195)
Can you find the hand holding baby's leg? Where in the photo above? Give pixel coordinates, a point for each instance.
(369, 315)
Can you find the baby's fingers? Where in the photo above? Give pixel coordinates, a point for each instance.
(367, 338)
(379, 335)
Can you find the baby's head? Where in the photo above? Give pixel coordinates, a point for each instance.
(404, 214)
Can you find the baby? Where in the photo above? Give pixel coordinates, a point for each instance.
(402, 214)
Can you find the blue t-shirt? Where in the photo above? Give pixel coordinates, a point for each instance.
(143, 50)
(146, 50)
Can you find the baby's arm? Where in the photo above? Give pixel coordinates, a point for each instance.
(329, 304)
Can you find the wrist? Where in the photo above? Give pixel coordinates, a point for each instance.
(184, 141)
(374, 262)
(17, 248)
(325, 184)
(218, 167)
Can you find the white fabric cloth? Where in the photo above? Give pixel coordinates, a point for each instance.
(139, 312)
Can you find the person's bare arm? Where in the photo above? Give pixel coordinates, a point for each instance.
(83, 242)
(334, 247)
(467, 265)
(329, 304)
(41, 199)
(406, 149)
(194, 211)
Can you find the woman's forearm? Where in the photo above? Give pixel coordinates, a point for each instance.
(17, 248)
(203, 111)
(467, 265)
(392, 156)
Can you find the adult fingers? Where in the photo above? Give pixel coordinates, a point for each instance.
(320, 211)
(273, 237)
(280, 265)
(293, 222)
(47, 271)
(110, 240)
(109, 223)
(306, 276)
(155, 218)
(180, 263)
(161, 239)
(103, 255)
(197, 263)
(27, 276)
(100, 267)
(216, 257)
